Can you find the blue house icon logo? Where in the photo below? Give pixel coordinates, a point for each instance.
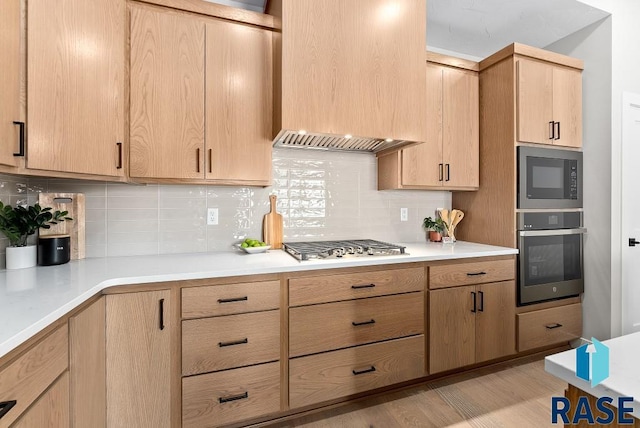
(592, 364)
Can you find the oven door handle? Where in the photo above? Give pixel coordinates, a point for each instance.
(553, 232)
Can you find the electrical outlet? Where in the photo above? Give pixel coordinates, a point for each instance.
(404, 214)
(212, 216)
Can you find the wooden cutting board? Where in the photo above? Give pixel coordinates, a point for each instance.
(74, 203)
(272, 226)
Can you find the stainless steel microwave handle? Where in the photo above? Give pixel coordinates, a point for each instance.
(553, 232)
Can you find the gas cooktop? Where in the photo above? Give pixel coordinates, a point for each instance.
(339, 249)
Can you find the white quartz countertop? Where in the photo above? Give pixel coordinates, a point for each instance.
(624, 371)
(31, 299)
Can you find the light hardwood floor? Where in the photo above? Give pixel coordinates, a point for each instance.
(517, 395)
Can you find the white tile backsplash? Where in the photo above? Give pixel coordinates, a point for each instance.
(321, 195)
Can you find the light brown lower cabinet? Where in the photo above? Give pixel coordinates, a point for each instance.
(317, 378)
(471, 324)
(31, 374)
(318, 328)
(139, 359)
(219, 398)
(549, 326)
(51, 410)
(220, 343)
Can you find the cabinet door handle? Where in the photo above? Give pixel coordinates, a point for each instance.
(446, 168)
(553, 326)
(552, 131)
(198, 159)
(119, 164)
(21, 129)
(440, 172)
(356, 324)
(233, 343)
(558, 129)
(5, 406)
(476, 273)
(161, 314)
(359, 372)
(210, 160)
(473, 297)
(233, 398)
(358, 287)
(481, 308)
(234, 299)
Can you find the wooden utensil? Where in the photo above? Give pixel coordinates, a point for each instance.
(74, 204)
(272, 226)
(444, 215)
(458, 217)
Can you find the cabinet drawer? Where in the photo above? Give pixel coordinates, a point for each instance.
(337, 325)
(228, 299)
(332, 288)
(323, 377)
(232, 395)
(50, 410)
(443, 276)
(31, 374)
(549, 326)
(211, 344)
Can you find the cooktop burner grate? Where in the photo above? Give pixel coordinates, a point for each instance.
(340, 249)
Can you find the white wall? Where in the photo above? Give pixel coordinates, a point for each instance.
(593, 46)
(625, 65)
(321, 195)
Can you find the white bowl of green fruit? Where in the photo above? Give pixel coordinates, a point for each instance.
(253, 246)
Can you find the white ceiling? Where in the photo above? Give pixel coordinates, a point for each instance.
(482, 27)
(478, 28)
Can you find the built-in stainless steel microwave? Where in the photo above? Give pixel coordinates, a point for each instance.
(549, 178)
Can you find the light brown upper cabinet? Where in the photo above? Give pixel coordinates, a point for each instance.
(75, 86)
(353, 67)
(167, 95)
(201, 99)
(10, 81)
(239, 103)
(449, 158)
(549, 103)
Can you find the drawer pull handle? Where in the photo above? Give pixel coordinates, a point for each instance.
(356, 324)
(476, 273)
(233, 398)
(475, 302)
(369, 370)
(357, 287)
(481, 308)
(234, 299)
(233, 343)
(552, 326)
(119, 163)
(161, 314)
(5, 406)
(21, 150)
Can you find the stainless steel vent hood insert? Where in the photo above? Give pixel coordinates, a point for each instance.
(298, 140)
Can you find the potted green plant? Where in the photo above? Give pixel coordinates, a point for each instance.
(18, 223)
(435, 228)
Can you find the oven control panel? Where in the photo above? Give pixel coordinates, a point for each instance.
(549, 220)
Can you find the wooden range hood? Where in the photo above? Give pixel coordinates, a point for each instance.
(352, 74)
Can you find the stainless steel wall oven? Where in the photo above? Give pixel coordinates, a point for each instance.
(551, 255)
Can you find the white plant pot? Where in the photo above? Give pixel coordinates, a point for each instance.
(22, 257)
